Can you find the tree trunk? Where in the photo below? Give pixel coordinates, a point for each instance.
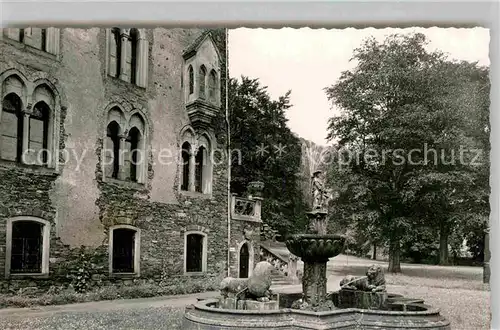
(394, 254)
(374, 251)
(443, 245)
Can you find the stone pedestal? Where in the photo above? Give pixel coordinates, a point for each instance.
(292, 269)
(314, 282)
(317, 222)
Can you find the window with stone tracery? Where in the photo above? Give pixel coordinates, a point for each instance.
(44, 39)
(125, 147)
(196, 169)
(27, 133)
(127, 52)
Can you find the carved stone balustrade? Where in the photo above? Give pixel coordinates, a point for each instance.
(286, 267)
(246, 209)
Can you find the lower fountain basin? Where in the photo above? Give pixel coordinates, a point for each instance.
(313, 247)
(205, 315)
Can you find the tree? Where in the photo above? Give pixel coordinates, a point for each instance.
(454, 193)
(397, 103)
(270, 153)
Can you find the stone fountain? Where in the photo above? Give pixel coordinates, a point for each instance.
(315, 248)
(360, 302)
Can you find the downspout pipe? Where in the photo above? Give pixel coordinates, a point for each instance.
(228, 158)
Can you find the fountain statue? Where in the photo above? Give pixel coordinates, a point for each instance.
(319, 193)
(359, 303)
(315, 249)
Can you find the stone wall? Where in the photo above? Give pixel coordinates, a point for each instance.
(245, 229)
(238, 238)
(79, 204)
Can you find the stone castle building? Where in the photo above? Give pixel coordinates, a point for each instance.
(112, 148)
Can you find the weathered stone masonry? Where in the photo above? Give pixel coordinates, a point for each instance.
(76, 198)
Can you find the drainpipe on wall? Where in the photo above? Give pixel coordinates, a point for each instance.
(228, 159)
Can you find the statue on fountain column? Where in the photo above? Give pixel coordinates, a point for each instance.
(320, 194)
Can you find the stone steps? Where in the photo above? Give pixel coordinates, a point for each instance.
(279, 279)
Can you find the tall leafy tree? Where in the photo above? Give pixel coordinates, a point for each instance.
(264, 149)
(399, 102)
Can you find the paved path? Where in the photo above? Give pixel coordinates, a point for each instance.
(107, 305)
(149, 313)
(137, 314)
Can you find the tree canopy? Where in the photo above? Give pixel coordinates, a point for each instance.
(410, 127)
(264, 149)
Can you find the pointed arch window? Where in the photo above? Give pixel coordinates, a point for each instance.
(134, 137)
(212, 86)
(125, 147)
(191, 79)
(186, 155)
(202, 78)
(113, 150)
(199, 166)
(39, 133)
(244, 261)
(11, 128)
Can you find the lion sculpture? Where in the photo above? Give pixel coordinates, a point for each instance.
(374, 281)
(256, 286)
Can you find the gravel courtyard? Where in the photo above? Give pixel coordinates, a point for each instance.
(457, 291)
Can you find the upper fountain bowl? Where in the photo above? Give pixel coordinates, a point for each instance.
(313, 247)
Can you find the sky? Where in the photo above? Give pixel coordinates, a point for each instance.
(306, 61)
